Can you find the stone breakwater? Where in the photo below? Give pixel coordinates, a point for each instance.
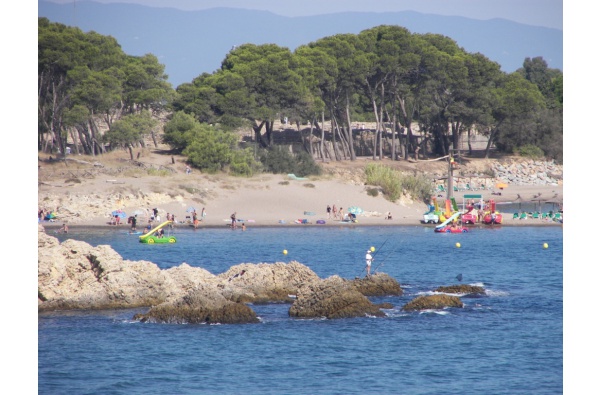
(529, 172)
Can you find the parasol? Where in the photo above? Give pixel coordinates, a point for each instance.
(119, 213)
(355, 210)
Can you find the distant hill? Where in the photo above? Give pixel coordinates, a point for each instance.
(189, 43)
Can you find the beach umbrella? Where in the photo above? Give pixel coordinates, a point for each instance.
(355, 210)
(50, 216)
(119, 213)
(190, 209)
(501, 185)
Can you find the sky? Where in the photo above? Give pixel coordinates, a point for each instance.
(546, 13)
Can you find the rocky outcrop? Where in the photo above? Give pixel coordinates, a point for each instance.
(433, 302)
(75, 275)
(265, 283)
(203, 305)
(378, 284)
(462, 289)
(333, 297)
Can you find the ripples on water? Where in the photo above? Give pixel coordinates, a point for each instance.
(506, 342)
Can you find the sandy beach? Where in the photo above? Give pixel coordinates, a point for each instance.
(263, 200)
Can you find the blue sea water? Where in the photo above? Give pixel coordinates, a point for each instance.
(509, 341)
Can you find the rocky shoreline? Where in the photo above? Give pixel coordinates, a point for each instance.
(76, 276)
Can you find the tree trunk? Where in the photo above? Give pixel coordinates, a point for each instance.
(376, 112)
(382, 126)
(350, 133)
(333, 139)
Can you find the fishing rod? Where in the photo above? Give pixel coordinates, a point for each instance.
(384, 259)
(381, 246)
(373, 255)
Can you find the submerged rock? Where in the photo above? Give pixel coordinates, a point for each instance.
(433, 302)
(462, 289)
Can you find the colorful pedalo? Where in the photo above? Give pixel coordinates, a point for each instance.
(451, 229)
(492, 218)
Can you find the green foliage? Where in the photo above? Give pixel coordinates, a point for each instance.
(179, 130)
(418, 186)
(386, 178)
(393, 183)
(373, 192)
(530, 151)
(243, 163)
(279, 160)
(129, 129)
(210, 150)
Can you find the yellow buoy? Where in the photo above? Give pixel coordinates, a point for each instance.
(284, 252)
(545, 245)
(372, 249)
(457, 245)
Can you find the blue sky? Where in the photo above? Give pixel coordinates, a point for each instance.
(547, 13)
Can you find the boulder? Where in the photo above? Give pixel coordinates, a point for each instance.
(333, 297)
(433, 302)
(378, 284)
(203, 305)
(265, 282)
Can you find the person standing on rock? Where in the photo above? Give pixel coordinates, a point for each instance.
(369, 259)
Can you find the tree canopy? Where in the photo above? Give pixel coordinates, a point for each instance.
(386, 74)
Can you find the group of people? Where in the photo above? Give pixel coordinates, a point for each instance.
(335, 213)
(234, 222)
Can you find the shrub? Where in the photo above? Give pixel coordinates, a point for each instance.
(243, 164)
(279, 160)
(530, 151)
(393, 183)
(373, 192)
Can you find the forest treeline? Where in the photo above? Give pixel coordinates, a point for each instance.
(386, 75)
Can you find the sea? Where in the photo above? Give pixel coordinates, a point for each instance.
(508, 341)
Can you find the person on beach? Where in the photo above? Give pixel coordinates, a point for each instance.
(134, 223)
(64, 229)
(195, 220)
(334, 211)
(328, 212)
(369, 259)
(202, 214)
(341, 213)
(233, 221)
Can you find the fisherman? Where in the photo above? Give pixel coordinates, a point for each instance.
(369, 259)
